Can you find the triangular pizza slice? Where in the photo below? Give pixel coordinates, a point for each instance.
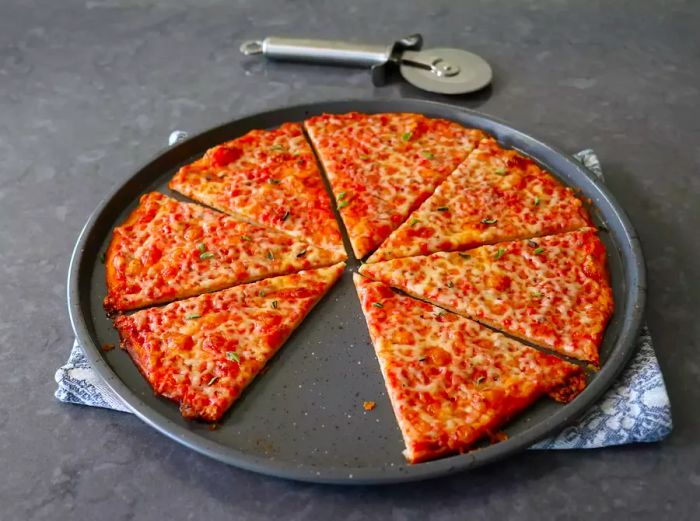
(267, 177)
(450, 380)
(382, 166)
(168, 250)
(553, 291)
(495, 195)
(202, 352)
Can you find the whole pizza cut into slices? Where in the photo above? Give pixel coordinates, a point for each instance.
(553, 291)
(382, 166)
(495, 195)
(168, 250)
(450, 380)
(202, 352)
(267, 177)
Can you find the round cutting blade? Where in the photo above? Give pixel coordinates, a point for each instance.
(445, 71)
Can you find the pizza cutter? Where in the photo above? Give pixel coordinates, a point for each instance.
(441, 70)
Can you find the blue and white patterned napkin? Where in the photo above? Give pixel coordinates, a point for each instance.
(636, 409)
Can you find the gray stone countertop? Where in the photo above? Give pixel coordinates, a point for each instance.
(91, 89)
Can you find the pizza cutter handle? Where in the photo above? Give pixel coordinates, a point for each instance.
(319, 51)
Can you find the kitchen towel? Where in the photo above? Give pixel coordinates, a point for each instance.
(635, 409)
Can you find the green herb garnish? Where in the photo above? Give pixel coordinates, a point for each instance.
(341, 196)
(274, 304)
(201, 247)
(464, 255)
(406, 136)
(206, 255)
(537, 294)
(270, 255)
(499, 253)
(278, 148)
(479, 380)
(537, 200)
(377, 304)
(343, 204)
(192, 316)
(489, 221)
(246, 237)
(500, 171)
(230, 355)
(261, 293)
(450, 284)
(413, 222)
(428, 155)
(213, 380)
(301, 253)
(539, 250)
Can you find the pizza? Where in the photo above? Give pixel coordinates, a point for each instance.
(168, 250)
(495, 195)
(553, 291)
(267, 177)
(451, 381)
(382, 166)
(474, 251)
(202, 352)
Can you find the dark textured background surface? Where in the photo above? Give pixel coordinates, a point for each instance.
(90, 90)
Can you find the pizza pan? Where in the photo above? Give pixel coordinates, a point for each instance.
(303, 418)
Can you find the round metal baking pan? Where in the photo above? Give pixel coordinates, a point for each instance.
(303, 418)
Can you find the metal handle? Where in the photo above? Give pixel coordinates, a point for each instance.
(319, 51)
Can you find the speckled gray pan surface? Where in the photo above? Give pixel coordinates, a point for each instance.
(303, 418)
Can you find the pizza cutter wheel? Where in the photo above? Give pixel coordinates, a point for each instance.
(442, 70)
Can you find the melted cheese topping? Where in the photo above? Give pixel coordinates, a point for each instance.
(268, 177)
(168, 250)
(451, 381)
(495, 195)
(553, 291)
(383, 166)
(202, 352)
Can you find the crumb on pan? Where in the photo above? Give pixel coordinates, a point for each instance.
(498, 436)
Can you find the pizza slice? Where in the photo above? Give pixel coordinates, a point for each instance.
(167, 250)
(553, 291)
(382, 166)
(202, 352)
(267, 177)
(495, 195)
(451, 381)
